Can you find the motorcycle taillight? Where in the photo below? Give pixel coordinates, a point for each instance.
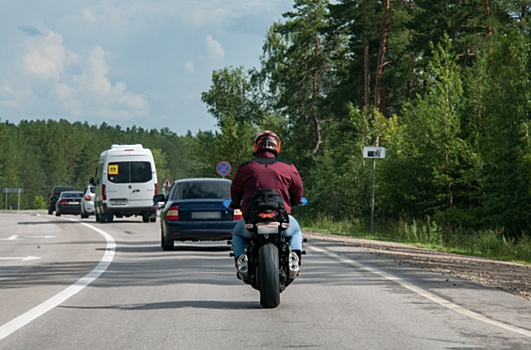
(267, 215)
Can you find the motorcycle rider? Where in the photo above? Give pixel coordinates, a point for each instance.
(264, 172)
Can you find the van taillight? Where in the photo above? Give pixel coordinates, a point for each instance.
(237, 214)
(173, 213)
(156, 188)
(103, 194)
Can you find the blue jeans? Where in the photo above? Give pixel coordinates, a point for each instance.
(241, 236)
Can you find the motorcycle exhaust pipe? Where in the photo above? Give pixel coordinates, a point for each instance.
(242, 265)
(294, 267)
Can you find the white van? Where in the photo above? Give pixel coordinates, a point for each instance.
(126, 181)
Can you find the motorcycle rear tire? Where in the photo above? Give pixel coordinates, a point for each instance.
(269, 276)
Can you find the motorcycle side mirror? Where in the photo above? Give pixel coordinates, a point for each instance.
(304, 201)
(227, 203)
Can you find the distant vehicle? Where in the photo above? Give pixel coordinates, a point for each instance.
(194, 211)
(126, 181)
(54, 195)
(69, 202)
(87, 202)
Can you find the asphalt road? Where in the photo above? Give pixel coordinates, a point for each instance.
(67, 283)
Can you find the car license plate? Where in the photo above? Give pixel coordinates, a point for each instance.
(73, 202)
(118, 202)
(206, 215)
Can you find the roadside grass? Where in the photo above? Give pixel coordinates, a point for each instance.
(427, 234)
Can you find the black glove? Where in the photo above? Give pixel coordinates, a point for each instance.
(234, 205)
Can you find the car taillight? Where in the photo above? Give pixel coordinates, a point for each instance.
(87, 197)
(237, 214)
(173, 213)
(62, 201)
(156, 188)
(103, 194)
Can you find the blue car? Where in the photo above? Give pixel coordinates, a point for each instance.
(194, 211)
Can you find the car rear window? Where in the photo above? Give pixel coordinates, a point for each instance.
(203, 190)
(72, 195)
(58, 190)
(129, 172)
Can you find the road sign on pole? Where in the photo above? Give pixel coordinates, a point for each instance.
(373, 153)
(7, 190)
(166, 183)
(223, 168)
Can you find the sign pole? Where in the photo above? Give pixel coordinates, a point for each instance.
(373, 152)
(372, 197)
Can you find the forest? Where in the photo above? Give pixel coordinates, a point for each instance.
(443, 85)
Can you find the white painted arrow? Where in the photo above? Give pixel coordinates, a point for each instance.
(37, 237)
(11, 238)
(14, 237)
(28, 258)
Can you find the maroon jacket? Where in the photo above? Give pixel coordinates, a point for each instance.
(266, 171)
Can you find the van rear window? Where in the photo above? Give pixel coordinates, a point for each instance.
(129, 172)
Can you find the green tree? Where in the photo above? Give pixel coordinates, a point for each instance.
(433, 170)
(505, 142)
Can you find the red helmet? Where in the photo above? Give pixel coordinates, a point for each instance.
(267, 141)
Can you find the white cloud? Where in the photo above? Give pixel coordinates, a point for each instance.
(59, 79)
(214, 48)
(46, 56)
(89, 15)
(189, 66)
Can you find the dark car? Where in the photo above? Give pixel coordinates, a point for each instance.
(69, 202)
(54, 195)
(194, 211)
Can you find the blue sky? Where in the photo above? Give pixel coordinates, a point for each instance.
(128, 62)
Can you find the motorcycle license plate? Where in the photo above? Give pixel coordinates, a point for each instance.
(267, 229)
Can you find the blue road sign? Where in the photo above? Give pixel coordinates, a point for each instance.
(223, 168)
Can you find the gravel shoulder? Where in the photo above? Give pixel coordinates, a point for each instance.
(510, 277)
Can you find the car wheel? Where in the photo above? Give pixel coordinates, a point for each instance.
(50, 211)
(84, 216)
(101, 218)
(57, 213)
(166, 244)
(145, 216)
(153, 219)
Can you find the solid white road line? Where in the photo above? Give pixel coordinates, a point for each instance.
(425, 293)
(54, 301)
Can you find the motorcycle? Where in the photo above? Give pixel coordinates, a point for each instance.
(269, 264)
